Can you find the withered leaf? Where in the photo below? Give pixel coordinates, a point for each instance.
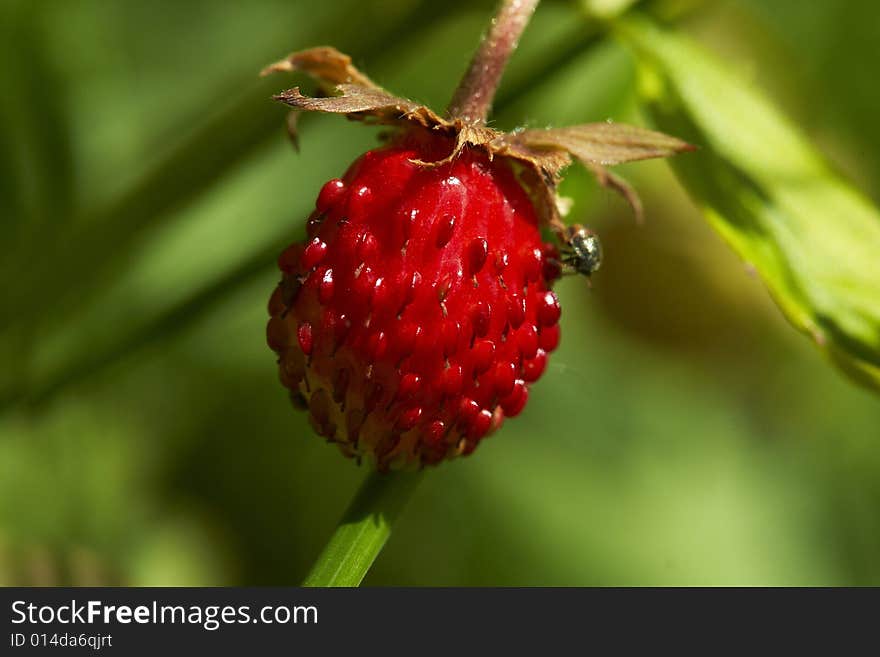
(326, 64)
(363, 103)
(606, 144)
(614, 182)
(292, 129)
(551, 158)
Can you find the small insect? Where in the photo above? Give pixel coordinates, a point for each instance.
(582, 253)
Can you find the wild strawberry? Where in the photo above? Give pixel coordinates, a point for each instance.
(418, 311)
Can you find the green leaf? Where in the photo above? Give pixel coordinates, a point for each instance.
(36, 166)
(814, 240)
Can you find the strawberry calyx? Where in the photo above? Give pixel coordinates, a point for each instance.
(542, 153)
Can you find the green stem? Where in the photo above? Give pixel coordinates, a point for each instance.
(473, 97)
(363, 530)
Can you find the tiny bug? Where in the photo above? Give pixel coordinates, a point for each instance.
(582, 253)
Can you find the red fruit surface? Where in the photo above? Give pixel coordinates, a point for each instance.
(417, 311)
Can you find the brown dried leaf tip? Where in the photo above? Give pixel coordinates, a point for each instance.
(542, 154)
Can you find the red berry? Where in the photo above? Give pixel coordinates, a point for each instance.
(548, 309)
(534, 368)
(414, 315)
(330, 193)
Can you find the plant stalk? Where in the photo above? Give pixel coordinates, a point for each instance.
(363, 530)
(473, 97)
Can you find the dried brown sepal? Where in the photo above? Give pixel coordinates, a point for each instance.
(325, 64)
(542, 154)
(606, 143)
(595, 145)
(364, 104)
(465, 135)
(615, 183)
(545, 198)
(292, 128)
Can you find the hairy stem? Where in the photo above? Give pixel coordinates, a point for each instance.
(363, 530)
(473, 97)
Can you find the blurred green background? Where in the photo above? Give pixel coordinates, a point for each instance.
(683, 433)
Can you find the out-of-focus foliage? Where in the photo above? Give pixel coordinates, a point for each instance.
(682, 435)
(814, 240)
